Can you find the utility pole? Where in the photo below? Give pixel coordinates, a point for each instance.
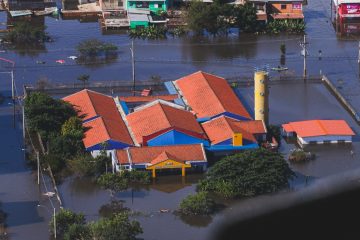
(359, 59)
(133, 66)
(38, 167)
(13, 95)
(304, 53)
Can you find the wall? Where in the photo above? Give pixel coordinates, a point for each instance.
(154, 6)
(134, 24)
(276, 8)
(174, 137)
(326, 138)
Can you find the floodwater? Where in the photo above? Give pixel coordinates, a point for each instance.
(170, 59)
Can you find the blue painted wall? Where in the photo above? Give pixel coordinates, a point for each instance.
(174, 137)
(220, 148)
(111, 145)
(229, 142)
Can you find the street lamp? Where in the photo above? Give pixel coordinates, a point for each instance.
(133, 65)
(54, 213)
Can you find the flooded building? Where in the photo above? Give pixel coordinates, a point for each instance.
(319, 131)
(347, 8)
(161, 158)
(228, 134)
(285, 9)
(161, 123)
(105, 128)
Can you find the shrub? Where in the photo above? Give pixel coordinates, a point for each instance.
(113, 182)
(94, 47)
(135, 176)
(64, 219)
(249, 173)
(198, 204)
(299, 155)
(25, 33)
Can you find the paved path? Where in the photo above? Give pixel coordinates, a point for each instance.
(19, 192)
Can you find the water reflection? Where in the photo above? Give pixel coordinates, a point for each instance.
(112, 208)
(28, 49)
(196, 221)
(227, 47)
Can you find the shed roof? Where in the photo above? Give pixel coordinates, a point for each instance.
(145, 155)
(159, 115)
(209, 95)
(135, 17)
(314, 128)
(223, 128)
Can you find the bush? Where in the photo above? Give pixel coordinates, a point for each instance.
(113, 182)
(64, 219)
(78, 232)
(288, 25)
(134, 176)
(85, 165)
(198, 204)
(25, 33)
(247, 174)
(299, 156)
(151, 32)
(115, 228)
(94, 47)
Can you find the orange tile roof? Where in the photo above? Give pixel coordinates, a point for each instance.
(223, 128)
(209, 95)
(141, 155)
(157, 117)
(91, 104)
(313, 128)
(132, 99)
(101, 130)
(110, 126)
(163, 157)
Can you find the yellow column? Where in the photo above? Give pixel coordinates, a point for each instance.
(261, 95)
(153, 173)
(183, 171)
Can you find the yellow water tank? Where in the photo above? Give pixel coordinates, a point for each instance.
(261, 96)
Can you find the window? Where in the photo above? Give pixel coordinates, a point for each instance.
(160, 5)
(156, 5)
(283, 6)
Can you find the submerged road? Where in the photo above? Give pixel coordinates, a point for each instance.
(19, 193)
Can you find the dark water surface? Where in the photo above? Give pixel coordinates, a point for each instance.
(171, 59)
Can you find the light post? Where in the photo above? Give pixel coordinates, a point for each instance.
(54, 217)
(133, 65)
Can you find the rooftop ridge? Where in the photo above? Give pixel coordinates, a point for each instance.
(123, 117)
(322, 127)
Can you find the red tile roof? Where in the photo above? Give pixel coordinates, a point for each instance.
(209, 95)
(101, 129)
(223, 128)
(158, 116)
(163, 157)
(109, 126)
(142, 155)
(134, 99)
(314, 128)
(92, 104)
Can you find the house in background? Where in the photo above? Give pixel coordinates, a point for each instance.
(208, 96)
(261, 9)
(161, 123)
(114, 13)
(160, 158)
(347, 8)
(319, 131)
(285, 9)
(102, 120)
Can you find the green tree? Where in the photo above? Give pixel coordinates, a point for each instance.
(246, 18)
(117, 227)
(84, 78)
(25, 33)
(45, 114)
(73, 128)
(198, 204)
(78, 232)
(94, 47)
(64, 219)
(246, 174)
(113, 182)
(196, 15)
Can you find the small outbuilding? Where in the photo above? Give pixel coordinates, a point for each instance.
(319, 131)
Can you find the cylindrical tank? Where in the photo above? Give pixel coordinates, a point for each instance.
(261, 96)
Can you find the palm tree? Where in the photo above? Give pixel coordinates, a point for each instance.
(84, 78)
